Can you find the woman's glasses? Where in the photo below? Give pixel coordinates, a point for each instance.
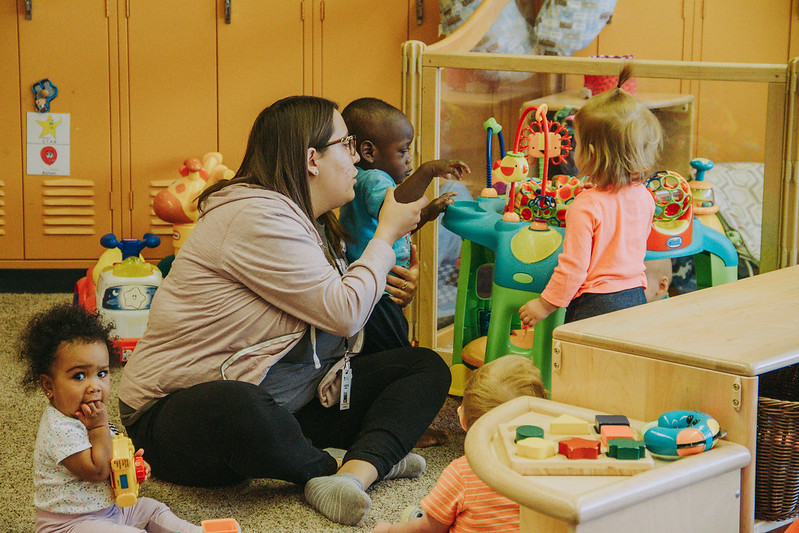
(348, 141)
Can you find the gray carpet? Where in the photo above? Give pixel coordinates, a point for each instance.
(260, 505)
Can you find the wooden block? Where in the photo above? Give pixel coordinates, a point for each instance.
(615, 432)
(535, 448)
(527, 431)
(557, 464)
(610, 420)
(569, 425)
(577, 448)
(627, 449)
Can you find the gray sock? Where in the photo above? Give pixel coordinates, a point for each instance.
(339, 497)
(412, 465)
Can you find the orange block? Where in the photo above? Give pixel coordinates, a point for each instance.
(615, 432)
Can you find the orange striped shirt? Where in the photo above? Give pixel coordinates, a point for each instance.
(462, 499)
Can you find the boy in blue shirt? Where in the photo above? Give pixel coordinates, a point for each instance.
(384, 136)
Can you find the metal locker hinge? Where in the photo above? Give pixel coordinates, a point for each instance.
(556, 356)
(736, 394)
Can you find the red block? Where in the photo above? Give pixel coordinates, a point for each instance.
(577, 448)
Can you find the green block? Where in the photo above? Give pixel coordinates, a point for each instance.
(526, 432)
(626, 449)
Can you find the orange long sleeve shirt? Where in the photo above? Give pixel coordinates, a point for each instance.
(605, 244)
(462, 499)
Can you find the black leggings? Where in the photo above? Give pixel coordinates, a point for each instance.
(223, 432)
(591, 304)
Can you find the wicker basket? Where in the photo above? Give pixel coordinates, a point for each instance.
(777, 467)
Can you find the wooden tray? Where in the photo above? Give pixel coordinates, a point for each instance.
(559, 465)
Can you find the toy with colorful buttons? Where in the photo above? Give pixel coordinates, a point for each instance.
(566, 445)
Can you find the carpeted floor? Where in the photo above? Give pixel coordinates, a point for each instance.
(258, 505)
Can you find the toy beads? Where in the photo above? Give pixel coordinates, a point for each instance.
(672, 195)
(530, 204)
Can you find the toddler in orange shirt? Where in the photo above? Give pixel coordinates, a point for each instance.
(601, 267)
(461, 501)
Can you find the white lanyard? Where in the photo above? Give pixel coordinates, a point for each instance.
(346, 379)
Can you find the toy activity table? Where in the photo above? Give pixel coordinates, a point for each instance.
(704, 350)
(523, 261)
(698, 493)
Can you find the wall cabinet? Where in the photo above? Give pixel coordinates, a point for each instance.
(338, 49)
(148, 84)
(65, 213)
(138, 81)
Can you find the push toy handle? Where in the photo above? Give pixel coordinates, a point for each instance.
(130, 247)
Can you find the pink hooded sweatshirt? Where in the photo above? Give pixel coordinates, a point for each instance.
(249, 280)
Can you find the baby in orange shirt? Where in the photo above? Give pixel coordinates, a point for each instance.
(461, 501)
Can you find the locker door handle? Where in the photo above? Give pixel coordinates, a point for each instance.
(227, 11)
(419, 12)
(28, 9)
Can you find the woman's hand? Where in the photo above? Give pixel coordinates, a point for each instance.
(396, 219)
(401, 283)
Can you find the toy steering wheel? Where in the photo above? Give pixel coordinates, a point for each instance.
(130, 247)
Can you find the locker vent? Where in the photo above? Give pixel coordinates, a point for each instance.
(69, 206)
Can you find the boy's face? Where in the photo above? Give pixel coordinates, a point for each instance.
(392, 154)
(79, 374)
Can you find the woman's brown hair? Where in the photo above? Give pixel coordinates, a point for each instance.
(275, 158)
